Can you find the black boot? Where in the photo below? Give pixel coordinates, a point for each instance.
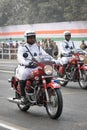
(22, 87)
(65, 66)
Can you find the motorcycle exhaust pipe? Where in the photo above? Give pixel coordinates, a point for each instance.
(14, 100)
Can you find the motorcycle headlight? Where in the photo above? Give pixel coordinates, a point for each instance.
(48, 70)
(81, 57)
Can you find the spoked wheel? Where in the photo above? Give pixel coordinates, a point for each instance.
(22, 107)
(83, 79)
(55, 105)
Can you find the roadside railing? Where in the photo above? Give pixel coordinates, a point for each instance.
(8, 53)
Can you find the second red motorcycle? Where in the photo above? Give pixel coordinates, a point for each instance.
(75, 70)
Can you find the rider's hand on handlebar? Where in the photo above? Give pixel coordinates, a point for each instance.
(33, 64)
(33, 59)
(53, 62)
(71, 52)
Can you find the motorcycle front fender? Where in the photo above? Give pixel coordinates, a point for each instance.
(83, 67)
(53, 85)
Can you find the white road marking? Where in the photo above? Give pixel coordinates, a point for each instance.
(11, 126)
(6, 71)
(72, 93)
(82, 124)
(8, 127)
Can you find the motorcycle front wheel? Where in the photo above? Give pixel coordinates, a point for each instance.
(83, 79)
(55, 105)
(22, 107)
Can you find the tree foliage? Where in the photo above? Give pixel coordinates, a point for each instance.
(14, 12)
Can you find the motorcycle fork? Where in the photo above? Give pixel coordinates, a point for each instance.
(45, 88)
(79, 70)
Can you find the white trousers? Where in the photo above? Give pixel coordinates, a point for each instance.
(23, 73)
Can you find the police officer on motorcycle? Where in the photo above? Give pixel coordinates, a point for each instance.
(66, 48)
(25, 54)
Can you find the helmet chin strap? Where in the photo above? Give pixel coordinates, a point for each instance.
(68, 40)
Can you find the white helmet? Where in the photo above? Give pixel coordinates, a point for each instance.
(29, 33)
(67, 33)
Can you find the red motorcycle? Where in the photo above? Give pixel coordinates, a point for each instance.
(46, 92)
(75, 70)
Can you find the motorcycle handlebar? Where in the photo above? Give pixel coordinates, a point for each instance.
(78, 51)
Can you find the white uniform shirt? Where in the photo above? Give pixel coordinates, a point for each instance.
(33, 49)
(67, 50)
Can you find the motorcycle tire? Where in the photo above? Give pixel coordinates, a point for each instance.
(83, 79)
(55, 105)
(22, 107)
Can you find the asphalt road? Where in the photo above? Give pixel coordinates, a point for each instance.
(74, 115)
